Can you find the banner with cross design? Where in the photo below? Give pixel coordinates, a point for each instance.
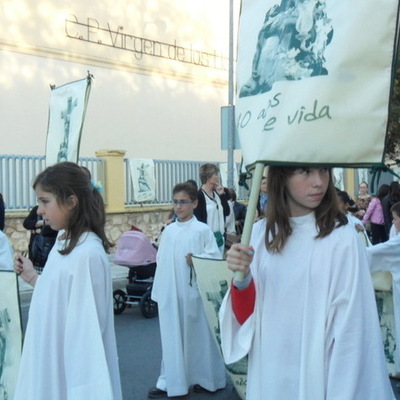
(67, 111)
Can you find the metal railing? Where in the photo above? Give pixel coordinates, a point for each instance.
(17, 174)
(167, 175)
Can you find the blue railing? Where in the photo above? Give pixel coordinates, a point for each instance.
(18, 172)
(167, 175)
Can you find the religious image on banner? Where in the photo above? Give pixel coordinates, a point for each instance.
(290, 46)
(143, 179)
(213, 279)
(310, 88)
(68, 105)
(10, 334)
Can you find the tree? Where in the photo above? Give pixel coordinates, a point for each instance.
(392, 148)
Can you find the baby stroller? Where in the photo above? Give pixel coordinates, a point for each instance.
(135, 251)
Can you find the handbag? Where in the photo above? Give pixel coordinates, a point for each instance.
(40, 249)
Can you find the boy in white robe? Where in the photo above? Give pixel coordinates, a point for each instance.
(386, 257)
(189, 353)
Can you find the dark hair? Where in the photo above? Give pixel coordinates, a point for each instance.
(192, 182)
(68, 179)
(232, 194)
(328, 215)
(188, 188)
(206, 172)
(344, 196)
(395, 208)
(394, 191)
(382, 191)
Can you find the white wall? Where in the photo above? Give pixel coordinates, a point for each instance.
(152, 107)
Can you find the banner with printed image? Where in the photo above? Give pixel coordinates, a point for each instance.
(314, 79)
(143, 179)
(68, 105)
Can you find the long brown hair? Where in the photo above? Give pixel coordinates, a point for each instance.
(328, 215)
(69, 179)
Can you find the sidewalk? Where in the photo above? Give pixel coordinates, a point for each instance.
(119, 276)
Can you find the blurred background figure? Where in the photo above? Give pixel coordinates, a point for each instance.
(2, 212)
(263, 198)
(374, 216)
(388, 201)
(41, 241)
(362, 200)
(213, 207)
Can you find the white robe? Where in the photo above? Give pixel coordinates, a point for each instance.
(314, 333)
(386, 257)
(69, 351)
(189, 352)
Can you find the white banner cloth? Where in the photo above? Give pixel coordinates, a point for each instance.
(68, 105)
(143, 179)
(313, 80)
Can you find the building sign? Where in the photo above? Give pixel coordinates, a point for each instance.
(92, 32)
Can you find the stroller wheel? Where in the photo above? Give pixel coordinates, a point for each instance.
(119, 297)
(148, 307)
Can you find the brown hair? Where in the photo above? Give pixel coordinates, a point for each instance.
(206, 172)
(186, 187)
(68, 179)
(328, 215)
(395, 209)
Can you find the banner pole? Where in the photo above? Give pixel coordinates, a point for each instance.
(251, 209)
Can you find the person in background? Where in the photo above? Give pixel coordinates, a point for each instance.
(69, 347)
(213, 204)
(386, 257)
(239, 209)
(362, 200)
(2, 212)
(189, 353)
(374, 215)
(388, 201)
(41, 241)
(345, 202)
(305, 312)
(263, 198)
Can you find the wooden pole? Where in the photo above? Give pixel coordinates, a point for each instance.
(251, 209)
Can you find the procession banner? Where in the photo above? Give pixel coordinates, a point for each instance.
(68, 105)
(213, 278)
(143, 179)
(10, 333)
(314, 80)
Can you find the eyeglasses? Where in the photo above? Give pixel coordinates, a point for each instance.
(181, 202)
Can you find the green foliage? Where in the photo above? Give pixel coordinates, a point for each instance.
(392, 148)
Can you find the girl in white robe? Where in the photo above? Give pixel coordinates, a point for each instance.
(189, 353)
(305, 313)
(69, 350)
(386, 257)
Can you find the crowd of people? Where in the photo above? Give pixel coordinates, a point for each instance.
(304, 312)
